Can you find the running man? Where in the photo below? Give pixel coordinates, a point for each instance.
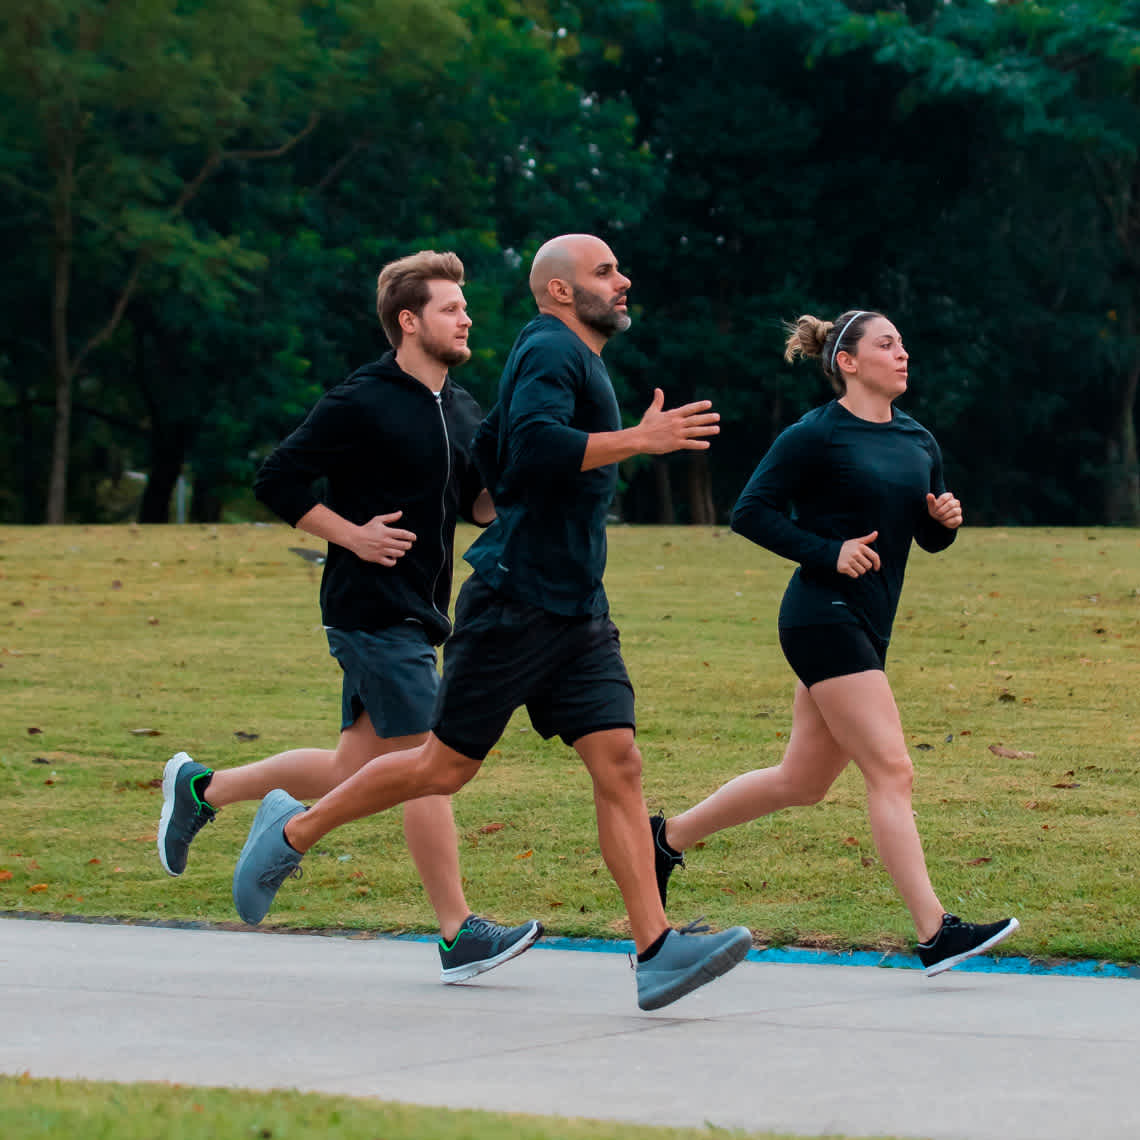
(394, 442)
(532, 622)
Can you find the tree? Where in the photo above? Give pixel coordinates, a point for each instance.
(116, 116)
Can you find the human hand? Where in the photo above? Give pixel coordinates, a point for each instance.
(377, 541)
(856, 556)
(945, 509)
(678, 429)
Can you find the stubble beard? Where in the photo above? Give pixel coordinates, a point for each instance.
(594, 313)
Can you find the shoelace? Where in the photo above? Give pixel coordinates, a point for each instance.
(697, 926)
(277, 874)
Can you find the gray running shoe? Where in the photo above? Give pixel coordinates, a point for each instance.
(482, 945)
(184, 812)
(687, 961)
(957, 940)
(266, 860)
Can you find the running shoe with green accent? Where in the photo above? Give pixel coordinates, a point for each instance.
(687, 961)
(266, 860)
(665, 858)
(184, 812)
(481, 945)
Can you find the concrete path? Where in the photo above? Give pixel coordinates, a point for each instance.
(804, 1049)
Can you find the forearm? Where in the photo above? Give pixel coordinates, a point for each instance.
(606, 447)
(323, 522)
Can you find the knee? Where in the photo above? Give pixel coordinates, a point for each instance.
(444, 774)
(806, 795)
(804, 791)
(622, 769)
(893, 774)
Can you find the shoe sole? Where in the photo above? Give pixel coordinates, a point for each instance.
(993, 940)
(473, 969)
(701, 974)
(169, 776)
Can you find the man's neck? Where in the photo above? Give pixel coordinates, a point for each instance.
(590, 337)
(431, 373)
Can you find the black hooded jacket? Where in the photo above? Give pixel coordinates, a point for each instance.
(385, 443)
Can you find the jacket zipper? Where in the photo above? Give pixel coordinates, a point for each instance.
(443, 507)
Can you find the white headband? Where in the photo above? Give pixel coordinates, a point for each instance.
(842, 334)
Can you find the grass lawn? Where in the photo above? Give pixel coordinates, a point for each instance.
(119, 646)
(38, 1109)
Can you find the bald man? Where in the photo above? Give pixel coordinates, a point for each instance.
(532, 622)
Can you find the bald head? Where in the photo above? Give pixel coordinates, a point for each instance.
(565, 258)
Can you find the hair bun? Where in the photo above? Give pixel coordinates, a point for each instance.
(806, 337)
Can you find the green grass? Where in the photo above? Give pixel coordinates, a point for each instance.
(1025, 639)
(37, 1109)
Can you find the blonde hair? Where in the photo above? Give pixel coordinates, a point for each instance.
(404, 284)
(810, 336)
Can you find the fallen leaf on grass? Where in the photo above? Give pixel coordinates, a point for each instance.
(925, 747)
(1011, 753)
(487, 828)
(41, 760)
(36, 888)
(92, 861)
(525, 854)
(145, 732)
(33, 731)
(851, 841)
(979, 861)
(5, 876)
(1064, 785)
(246, 735)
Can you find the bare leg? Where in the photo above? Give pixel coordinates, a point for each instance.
(862, 716)
(432, 769)
(811, 764)
(309, 773)
(306, 773)
(614, 764)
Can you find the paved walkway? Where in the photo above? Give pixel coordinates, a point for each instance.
(804, 1049)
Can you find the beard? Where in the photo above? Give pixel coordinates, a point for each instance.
(446, 351)
(593, 312)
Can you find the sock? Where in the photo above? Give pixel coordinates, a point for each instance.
(666, 846)
(654, 946)
(200, 783)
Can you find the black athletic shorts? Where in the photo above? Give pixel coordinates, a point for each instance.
(818, 652)
(504, 654)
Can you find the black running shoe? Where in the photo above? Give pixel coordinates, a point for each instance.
(664, 857)
(184, 812)
(957, 940)
(481, 945)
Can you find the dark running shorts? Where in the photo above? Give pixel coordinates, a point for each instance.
(819, 652)
(504, 654)
(391, 673)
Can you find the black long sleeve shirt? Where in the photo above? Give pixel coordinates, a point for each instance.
(547, 545)
(384, 442)
(831, 477)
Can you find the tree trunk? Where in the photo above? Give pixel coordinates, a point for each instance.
(1123, 492)
(205, 502)
(666, 516)
(701, 509)
(64, 368)
(168, 453)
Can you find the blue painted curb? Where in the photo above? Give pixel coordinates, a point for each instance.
(1077, 968)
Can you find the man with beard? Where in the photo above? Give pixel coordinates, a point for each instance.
(532, 622)
(393, 442)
